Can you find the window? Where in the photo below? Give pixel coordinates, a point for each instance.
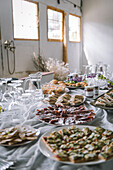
(55, 24)
(74, 28)
(25, 20)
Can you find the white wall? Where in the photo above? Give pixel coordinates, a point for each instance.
(25, 49)
(98, 31)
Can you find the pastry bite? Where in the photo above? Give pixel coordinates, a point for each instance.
(61, 83)
(105, 100)
(78, 84)
(54, 81)
(100, 103)
(72, 144)
(65, 99)
(17, 135)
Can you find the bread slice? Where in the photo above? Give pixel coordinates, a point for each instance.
(100, 103)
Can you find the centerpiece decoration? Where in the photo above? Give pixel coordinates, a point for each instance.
(60, 69)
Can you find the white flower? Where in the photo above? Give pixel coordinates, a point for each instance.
(60, 69)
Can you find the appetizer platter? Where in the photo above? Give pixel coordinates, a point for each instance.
(65, 115)
(80, 145)
(73, 86)
(18, 135)
(61, 86)
(65, 99)
(75, 81)
(105, 101)
(54, 86)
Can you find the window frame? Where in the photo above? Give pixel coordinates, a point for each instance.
(37, 23)
(79, 28)
(61, 11)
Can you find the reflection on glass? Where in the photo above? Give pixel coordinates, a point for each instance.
(25, 19)
(74, 28)
(54, 24)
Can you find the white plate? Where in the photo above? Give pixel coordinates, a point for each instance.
(74, 87)
(84, 99)
(24, 142)
(44, 149)
(87, 106)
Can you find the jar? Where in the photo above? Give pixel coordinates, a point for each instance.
(96, 90)
(89, 91)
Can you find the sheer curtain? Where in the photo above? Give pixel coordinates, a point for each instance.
(65, 57)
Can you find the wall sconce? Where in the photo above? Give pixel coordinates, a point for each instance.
(58, 1)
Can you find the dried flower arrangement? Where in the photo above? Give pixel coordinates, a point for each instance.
(39, 63)
(60, 69)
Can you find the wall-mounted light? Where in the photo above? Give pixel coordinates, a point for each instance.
(75, 5)
(58, 1)
(72, 3)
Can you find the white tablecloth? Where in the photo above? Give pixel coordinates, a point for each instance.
(29, 157)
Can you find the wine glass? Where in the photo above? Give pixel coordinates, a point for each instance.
(100, 68)
(5, 91)
(1, 106)
(15, 94)
(33, 85)
(17, 81)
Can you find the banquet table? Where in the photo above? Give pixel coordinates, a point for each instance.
(29, 157)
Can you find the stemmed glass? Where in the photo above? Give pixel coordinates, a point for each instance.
(5, 90)
(1, 95)
(87, 72)
(17, 81)
(33, 86)
(17, 107)
(15, 93)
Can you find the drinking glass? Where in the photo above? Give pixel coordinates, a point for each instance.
(33, 85)
(5, 91)
(15, 94)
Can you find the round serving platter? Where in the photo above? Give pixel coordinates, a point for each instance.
(74, 87)
(87, 106)
(45, 150)
(26, 141)
(102, 107)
